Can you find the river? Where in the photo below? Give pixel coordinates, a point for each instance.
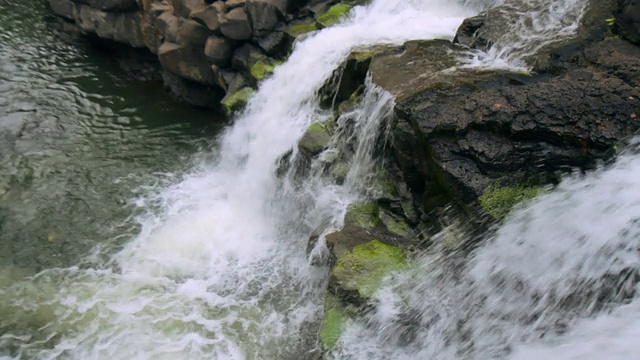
(136, 228)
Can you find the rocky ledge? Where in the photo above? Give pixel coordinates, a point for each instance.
(211, 52)
(473, 143)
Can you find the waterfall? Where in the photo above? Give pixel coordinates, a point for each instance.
(219, 269)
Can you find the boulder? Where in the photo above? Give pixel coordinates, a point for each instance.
(232, 4)
(314, 139)
(188, 62)
(110, 5)
(168, 26)
(120, 27)
(64, 8)
(183, 8)
(245, 56)
(192, 33)
(275, 43)
(264, 16)
(209, 15)
(219, 50)
(235, 101)
(192, 93)
(627, 20)
(235, 25)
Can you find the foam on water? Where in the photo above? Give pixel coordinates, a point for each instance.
(218, 269)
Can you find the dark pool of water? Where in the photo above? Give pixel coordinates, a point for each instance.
(79, 139)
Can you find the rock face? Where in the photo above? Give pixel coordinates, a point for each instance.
(203, 42)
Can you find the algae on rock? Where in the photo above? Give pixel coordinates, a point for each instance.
(498, 201)
(238, 100)
(334, 14)
(335, 317)
(364, 215)
(363, 269)
(315, 139)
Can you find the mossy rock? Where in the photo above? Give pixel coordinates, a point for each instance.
(395, 225)
(315, 139)
(363, 269)
(334, 14)
(498, 201)
(333, 321)
(263, 67)
(363, 215)
(298, 28)
(237, 100)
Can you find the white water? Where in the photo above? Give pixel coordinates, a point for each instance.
(550, 284)
(220, 270)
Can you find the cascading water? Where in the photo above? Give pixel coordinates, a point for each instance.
(219, 268)
(528, 292)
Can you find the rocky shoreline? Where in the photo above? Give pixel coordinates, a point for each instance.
(472, 143)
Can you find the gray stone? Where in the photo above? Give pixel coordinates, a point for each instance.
(188, 62)
(209, 15)
(627, 20)
(62, 8)
(219, 50)
(120, 27)
(192, 93)
(235, 25)
(111, 5)
(244, 56)
(263, 15)
(183, 8)
(275, 43)
(168, 26)
(192, 33)
(232, 4)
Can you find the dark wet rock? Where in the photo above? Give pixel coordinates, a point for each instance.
(111, 5)
(192, 33)
(62, 8)
(188, 62)
(120, 27)
(192, 93)
(264, 16)
(183, 8)
(315, 139)
(275, 43)
(244, 56)
(627, 20)
(235, 25)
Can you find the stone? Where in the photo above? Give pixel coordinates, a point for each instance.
(627, 20)
(209, 15)
(192, 33)
(235, 25)
(314, 139)
(298, 28)
(264, 16)
(111, 5)
(334, 14)
(219, 50)
(232, 4)
(245, 56)
(233, 102)
(183, 8)
(498, 201)
(192, 93)
(168, 26)
(360, 272)
(263, 68)
(150, 34)
(275, 43)
(64, 8)
(333, 321)
(124, 28)
(188, 62)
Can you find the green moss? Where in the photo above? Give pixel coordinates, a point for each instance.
(297, 29)
(497, 202)
(333, 322)
(233, 102)
(363, 215)
(395, 225)
(263, 67)
(364, 268)
(334, 14)
(315, 139)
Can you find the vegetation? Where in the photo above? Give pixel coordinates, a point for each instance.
(498, 202)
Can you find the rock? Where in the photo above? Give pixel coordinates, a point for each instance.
(334, 14)
(192, 33)
(245, 56)
(188, 62)
(111, 5)
(192, 93)
(314, 140)
(360, 272)
(168, 26)
(275, 43)
(232, 4)
(333, 322)
(498, 201)
(471, 130)
(235, 25)
(183, 8)
(298, 28)
(262, 68)
(235, 101)
(64, 8)
(209, 15)
(219, 50)
(264, 16)
(627, 20)
(150, 35)
(120, 27)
